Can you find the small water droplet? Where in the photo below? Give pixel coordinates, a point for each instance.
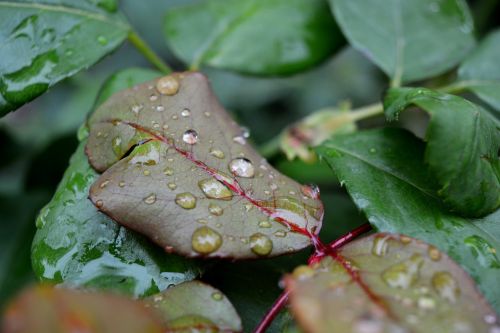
(242, 167)
(405, 239)
(380, 245)
(185, 113)
(373, 150)
(280, 233)
(403, 274)
(273, 187)
(104, 184)
(136, 108)
(426, 303)
(168, 85)
(160, 108)
(121, 184)
(260, 244)
(172, 186)
(265, 224)
(146, 172)
(207, 114)
(168, 171)
(153, 97)
(116, 145)
(217, 153)
(175, 117)
(190, 137)
(158, 298)
(99, 203)
(310, 191)
(240, 140)
(185, 200)
(215, 209)
(434, 253)
(245, 132)
(205, 240)
(490, 319)
(217, 296)
(214, 189)
(446, 286)
(102, 40)
(150, 199)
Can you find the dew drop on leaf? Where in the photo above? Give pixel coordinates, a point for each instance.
(185, 113)
(172, 186)
(260, 244)
(185, 200)
(215, 209)
(434, 253)
(280, 233)
(239, 139)
(99, 203)
(380, 244)
(150, 199)
(404, 274)
(168, 85)
(217, 296)
(242, 167)
(190, 137)
(446, 286)
(205, 240)
(217, 153)
(265, 224)
(168, 171)
(102, 40)
(214, 189)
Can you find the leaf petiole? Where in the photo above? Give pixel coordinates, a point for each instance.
(142, 46)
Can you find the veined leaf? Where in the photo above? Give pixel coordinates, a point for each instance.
(191, 183)
(385, 175)
(45, 41)
(388, 283)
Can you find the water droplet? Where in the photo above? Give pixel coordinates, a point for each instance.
(99, 203)
(137, 108)
(205, 240)
(215, 209)
(215, 189)
(446, 286)
(273, 187)
(245, 132)
(310, 191)
(102, 40)
(190, 137)
(242, 167)
(303, 272)
(380, 245)
(426, 303)
(280, 233)
(146, 172)
(168, 171)
(373, 150)
(240, 140)
(260, 244)
(207, 114)
(217, 296)
(160, 108)
(434, 253)
(265, 224)
(405, 239)
(104, 184)
(121, 184)
(158, 298)
(175, 117)
(116, 145)
(490, 319)
(217, 153)
(153, 97)
(150, 199)
(172, 186)
(185, 200)
(403, 274)
(168, 85)
(185, 113)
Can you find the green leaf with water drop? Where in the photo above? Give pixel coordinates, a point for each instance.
(78, 246)
(44, 309)
(195, 306)
(388, 283)
(409, 40)
(480, 71)
(179, 170)
(385, 174)
(45, 41)
(243, 35)
(463, 141)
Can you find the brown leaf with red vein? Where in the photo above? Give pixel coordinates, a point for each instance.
(191, 182)
(388, 283)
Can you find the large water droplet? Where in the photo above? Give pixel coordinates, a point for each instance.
(242, 167)
(150, 199)
(215, 209)
(403, 274)
(168, 85)
(185, 200)
(205, 240)
(380, 244)
(190, 137)
(215, 189)
(446, 286)
(260, 244)
(217, 153)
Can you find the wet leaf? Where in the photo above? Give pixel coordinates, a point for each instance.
(80, 247)
(243, 35)
(388, 283)
(46, 41)
(409, 40)
(45, 309)
(468, 136)
(191, 183)
(195, 306)
(481, 72)
(384, 173)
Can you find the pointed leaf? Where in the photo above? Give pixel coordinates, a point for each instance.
(45, 309)
(481, 72)
(388, 283)
(243, 35)
(468, 136)
(195, 306)
(44, 42)
(411, 39)
(384, 173)
(191, 183)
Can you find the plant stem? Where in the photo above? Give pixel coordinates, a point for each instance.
(143, 47)
(341, 241)
(271, 147)
(461, 86)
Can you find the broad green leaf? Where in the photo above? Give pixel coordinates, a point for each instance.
(411, 39)
(463, 142)
(480, 71)
(385, 175)
(262, 37)
(78, 246)
(44, 309)
(388, 283)
(195, 306)
(45, 41)
(191, 183)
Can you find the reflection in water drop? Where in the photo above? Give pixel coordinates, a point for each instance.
(185, 200)
(215, 209)
(446, 286)
(150, 199)
(168, 85)
(260, 244)
(214, 189)
(403, 274)
(185, 113)
(205, 240)
(217, 153)
(190, 137)
(242, 167)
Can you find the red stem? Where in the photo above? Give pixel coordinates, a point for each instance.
(272, 312)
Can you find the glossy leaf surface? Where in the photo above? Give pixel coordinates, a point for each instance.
(384, 172)
(46, 41)
(411, 39)
(191, 182)
(468, 136)
(388, 283)
(262, 37)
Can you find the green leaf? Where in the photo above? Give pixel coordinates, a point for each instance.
(44, 309)
(191, 183)
(78, 246)
(244, 35)
(195, 306)
(388, 283)
(46, 41)
(462, 148)
(385, 175)
(411, 39)
(480, 71)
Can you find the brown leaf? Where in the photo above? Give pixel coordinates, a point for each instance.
(191, 182)
(388, 283)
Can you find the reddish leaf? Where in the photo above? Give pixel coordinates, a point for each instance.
(388, 283)
(191, 182)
